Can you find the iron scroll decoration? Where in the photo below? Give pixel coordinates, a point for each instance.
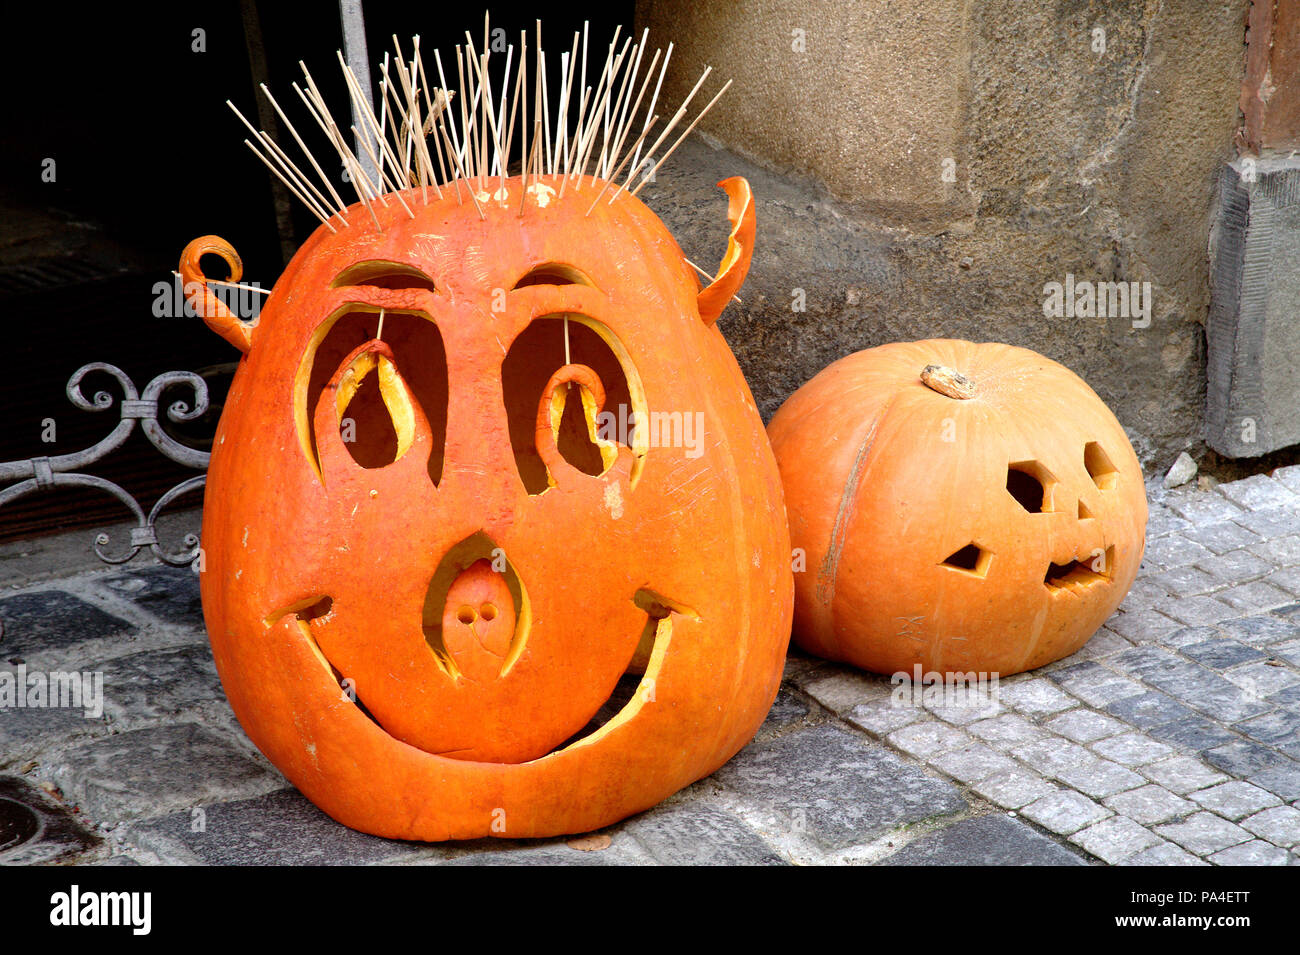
(45, 473)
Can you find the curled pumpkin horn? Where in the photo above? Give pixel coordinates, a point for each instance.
(214, 311)
(740, 248)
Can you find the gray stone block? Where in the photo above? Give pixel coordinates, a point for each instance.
(1188, 581)
(972, 763)
(1167, 854)
(1279, 825)
(1235, 799)
(1006, 731)
(1065, 812)
(1034, 697)
(1192, 733)
(1254, 386)
(1148, 710)
(1166, 553)
(847, 789)
(1259, 492)
(1254, 596)
(1222, 653)
(1203, 833)
(1150, 804)
(1261, 630)
(1115, 839)
(158, 683)
(170, 593)
(276, 828)
(693, 834)
(148, 772)
(786, 710)
(1255, 852)
(1051, 755)
(984, 840)
(1274, 522)
(1221, 536)
(1096, 685)
(1182, 774)
(1014, 789)
(882, 717)
(1242, 758)
(928, 738)
(51, 620)
(1279, 551)
(1283, 780)
(1085, 726)
(1132, 749)
(1099, 778)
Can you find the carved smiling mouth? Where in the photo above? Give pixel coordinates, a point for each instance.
(477, 620)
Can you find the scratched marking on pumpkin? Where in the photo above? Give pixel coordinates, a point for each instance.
(907, 628)
(830, 567)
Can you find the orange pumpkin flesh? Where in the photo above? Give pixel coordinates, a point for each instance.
(989, 520)
(479, 565)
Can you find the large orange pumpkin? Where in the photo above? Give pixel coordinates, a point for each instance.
(431, 553)
(962, 507)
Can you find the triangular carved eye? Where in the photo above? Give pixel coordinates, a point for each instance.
(371, 407)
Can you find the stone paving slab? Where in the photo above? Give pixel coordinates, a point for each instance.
(277, 828)
(985, 840)
(838, 787)
(1172, 738)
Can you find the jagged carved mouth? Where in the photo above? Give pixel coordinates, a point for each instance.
(477, 621)
(1081, 574)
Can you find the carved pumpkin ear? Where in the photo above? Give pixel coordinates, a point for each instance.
(740, 248)
(214, 311)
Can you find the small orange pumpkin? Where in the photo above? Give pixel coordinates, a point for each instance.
(431, 551)
(962, 507)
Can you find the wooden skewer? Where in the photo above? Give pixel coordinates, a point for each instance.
(246, 288)
(711, 278)
(291, 173)
(653, 100)
(528, 160)
(619, 170)
(329, 186)
(694, 123)
(625, 128)
(461, 169)
(677, 116)
(289, 185)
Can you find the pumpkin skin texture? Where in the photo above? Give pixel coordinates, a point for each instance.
(908, 506)
(478, 592)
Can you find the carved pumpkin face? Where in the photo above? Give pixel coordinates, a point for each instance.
(449, 520)
(989, 520)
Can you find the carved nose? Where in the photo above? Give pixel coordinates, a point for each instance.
(478, 622)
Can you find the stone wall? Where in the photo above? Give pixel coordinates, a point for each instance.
(940, 163)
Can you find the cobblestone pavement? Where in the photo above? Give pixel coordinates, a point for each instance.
(1172, 738)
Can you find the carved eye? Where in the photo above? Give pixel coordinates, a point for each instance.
(371, 422)
(583, 433)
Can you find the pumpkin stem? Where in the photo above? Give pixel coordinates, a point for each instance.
(947, 382)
